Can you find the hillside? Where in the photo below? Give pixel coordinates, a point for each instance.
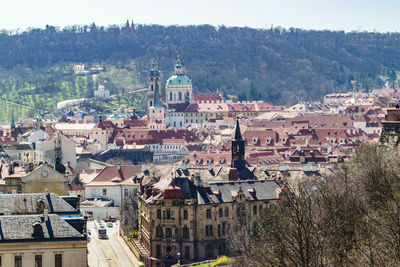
(277, 65)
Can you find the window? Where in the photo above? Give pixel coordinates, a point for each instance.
(185, 232)
(126, 192)
(9, 182)
(223, 228)
(18, 261)
(176, 233)
(255, 209)
(168, 233)
(158, 251)
(208, 214)
(238, 211)
(58, 260)
(243, 211)
(38, 260)
(185, 214)
(220, 212)
(168, 214)
(226, 212)
(187, 252)
(158, 214)
(219, 230)
(104, 192)
(159, 231)
(209, 230)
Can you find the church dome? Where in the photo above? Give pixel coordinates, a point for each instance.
(179, 77)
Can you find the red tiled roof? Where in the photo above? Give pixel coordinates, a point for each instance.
(211, 98)
(117, 174)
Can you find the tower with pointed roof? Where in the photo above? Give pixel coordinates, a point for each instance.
(178, 88)
(238, 149)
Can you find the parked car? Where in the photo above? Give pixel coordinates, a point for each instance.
(111, 219)
(109, 224)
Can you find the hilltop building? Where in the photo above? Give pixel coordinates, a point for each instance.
(102, 93)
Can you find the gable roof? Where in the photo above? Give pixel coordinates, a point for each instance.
(16, 228)
(113, 175)
(27, 203)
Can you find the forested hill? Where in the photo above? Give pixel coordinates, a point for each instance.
(279, 65)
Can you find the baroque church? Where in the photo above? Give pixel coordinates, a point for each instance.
(178, 92)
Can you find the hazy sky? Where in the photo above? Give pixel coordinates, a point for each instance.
(348, 15)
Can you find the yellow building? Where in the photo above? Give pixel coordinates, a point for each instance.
(19, 180)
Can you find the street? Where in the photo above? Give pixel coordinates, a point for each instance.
(112, 252)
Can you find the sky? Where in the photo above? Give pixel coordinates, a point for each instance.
(347, 15)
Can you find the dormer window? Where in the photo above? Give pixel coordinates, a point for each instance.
(255, 139)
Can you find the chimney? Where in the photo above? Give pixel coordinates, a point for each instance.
(197, 179)
(233, 174)
(46, 215)
(119, 165)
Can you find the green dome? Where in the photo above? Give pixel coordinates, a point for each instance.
(178, 79)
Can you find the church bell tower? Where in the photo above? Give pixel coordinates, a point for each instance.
(238, 149)
(153, 91)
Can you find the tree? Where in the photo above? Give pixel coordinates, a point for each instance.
(349, 218)
(129, 211)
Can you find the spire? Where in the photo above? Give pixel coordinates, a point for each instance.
(238, 134)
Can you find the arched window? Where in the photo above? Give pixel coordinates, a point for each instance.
(151, 103)
(170, 96)
(152, 88)
(180, 96)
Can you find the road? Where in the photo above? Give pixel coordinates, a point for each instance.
(112, 252)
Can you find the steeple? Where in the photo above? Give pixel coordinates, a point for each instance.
(238, 150)
(238, 134)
